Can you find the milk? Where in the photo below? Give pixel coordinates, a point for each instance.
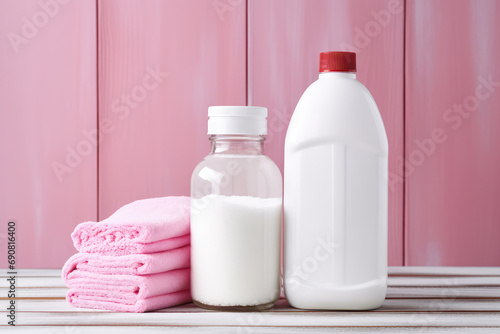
(235, 255)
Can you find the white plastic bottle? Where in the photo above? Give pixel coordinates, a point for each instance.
(335, 194)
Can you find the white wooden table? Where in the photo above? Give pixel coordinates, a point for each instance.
(420, 299)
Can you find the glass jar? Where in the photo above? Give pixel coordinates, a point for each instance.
(236, 205)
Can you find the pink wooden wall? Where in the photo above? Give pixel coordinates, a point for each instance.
(159, 136)
(285, 40)
(452, 133)
(47, 98)
(145, 72)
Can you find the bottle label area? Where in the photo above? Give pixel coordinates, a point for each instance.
(335, 216)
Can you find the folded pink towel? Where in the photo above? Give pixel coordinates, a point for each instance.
(133, 264)
(144, 226)
(129, 292)
(81, 298)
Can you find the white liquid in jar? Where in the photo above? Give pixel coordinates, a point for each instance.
(235, 255)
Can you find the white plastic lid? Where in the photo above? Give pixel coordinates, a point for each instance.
(237, 120)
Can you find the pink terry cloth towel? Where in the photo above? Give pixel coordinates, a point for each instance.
(132, 264)
(78, 298)
(132, 293)
(141, 227)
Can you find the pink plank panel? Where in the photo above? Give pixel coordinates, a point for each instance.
(47, 102)
(285, 39)
(453, 192)
(161, 64)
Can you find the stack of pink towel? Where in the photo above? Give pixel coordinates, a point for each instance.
(136, 260)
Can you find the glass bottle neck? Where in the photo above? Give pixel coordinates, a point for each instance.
(237, 144)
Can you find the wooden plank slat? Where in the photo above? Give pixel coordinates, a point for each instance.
(443, 271)
(57, 282)
(235, 329)
(392, 292)
(455, 292)
(390, 305)
(32, 272)
(442, 292)
(393, 271)
(45, 305)
(396, 281)
(36, 293)
(293, 319)
(35, 282)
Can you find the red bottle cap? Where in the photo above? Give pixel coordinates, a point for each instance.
(337, 61)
